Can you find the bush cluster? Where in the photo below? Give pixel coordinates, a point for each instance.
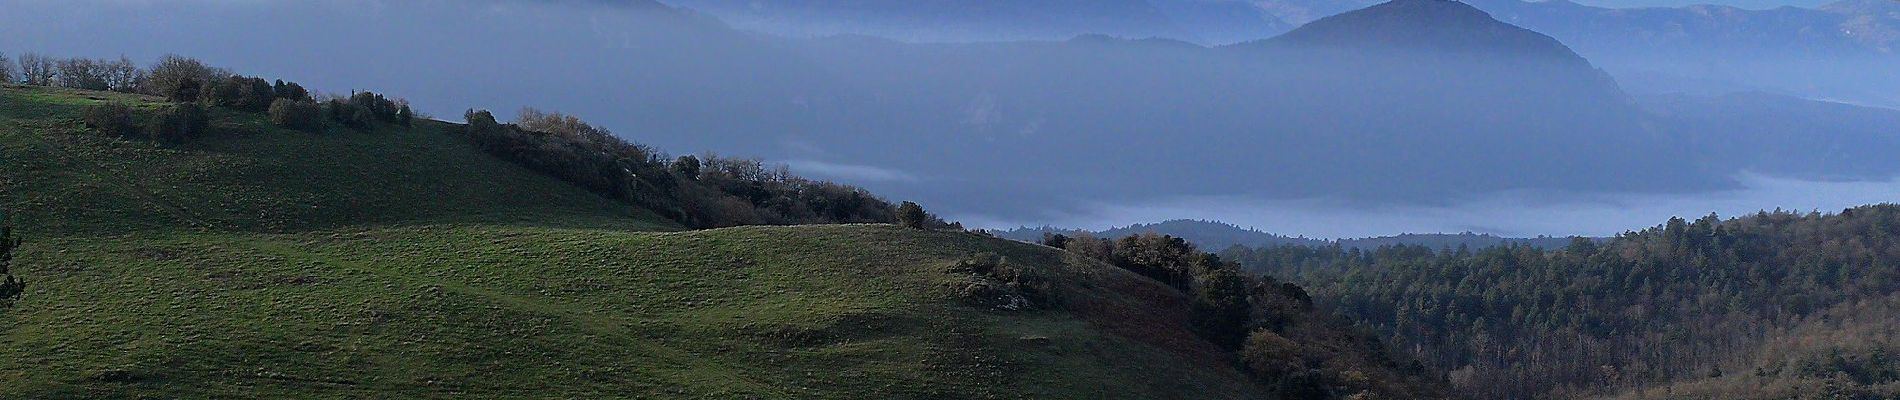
(112, 118)
(1000, 285)
(296, 114)
(700, 192)
(179, 123)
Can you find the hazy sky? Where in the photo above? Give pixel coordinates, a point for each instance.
(1737, 3)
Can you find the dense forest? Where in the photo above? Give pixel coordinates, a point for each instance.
(698, 191)
(1273, 327)
(1727, 307)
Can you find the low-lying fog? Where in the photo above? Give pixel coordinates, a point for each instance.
(1510, 214)
(1350, 128)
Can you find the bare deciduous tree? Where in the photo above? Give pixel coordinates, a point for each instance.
(180, 78)
(80, 73)
(6, 69)
(122, 75)
(37, 70)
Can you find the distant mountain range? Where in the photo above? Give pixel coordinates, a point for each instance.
(1828, 52)
(1201, 21)
(1216, 236)
(1842, 51)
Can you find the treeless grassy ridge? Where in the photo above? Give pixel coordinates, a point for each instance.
(265, 263)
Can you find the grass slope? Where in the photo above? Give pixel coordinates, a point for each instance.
(271, 264)
(58, 178)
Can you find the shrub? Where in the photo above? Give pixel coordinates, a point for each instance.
(1003, 286)
(110, 118)
(296, 114)
(910, 215)
(179, 123)
(10, 287)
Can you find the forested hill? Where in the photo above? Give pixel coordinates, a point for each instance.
(1771, 305)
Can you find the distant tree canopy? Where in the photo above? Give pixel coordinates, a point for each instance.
(1666, 304)
(704, 192)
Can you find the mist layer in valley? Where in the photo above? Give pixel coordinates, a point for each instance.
(1411, 116)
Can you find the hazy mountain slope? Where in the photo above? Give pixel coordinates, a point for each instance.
(1209, 235)
(1217, 236)
(1833, 52)
(1849, 142)
(1205, 21)
(262, 262)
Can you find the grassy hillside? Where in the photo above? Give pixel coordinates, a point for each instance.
(58, 179)
(263, 263)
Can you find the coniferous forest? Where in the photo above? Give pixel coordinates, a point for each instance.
(1753, 304)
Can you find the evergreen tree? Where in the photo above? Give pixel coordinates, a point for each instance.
(910, 215)
(687, 167)
(405, 116)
